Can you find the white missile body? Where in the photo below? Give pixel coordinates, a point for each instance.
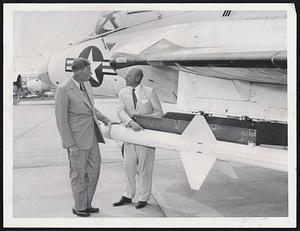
(199, 149)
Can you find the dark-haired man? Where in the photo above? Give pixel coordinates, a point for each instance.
(77, 122)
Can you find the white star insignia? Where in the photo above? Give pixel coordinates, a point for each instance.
(94, 65)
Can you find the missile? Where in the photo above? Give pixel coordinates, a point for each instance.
(199, 149)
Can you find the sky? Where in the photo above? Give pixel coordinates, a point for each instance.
(40, 34)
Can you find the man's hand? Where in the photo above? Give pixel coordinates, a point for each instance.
(74, 151)
(135, 126)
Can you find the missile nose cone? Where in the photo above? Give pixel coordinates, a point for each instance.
(120, 60)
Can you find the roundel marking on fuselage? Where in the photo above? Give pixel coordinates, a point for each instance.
(96, 57)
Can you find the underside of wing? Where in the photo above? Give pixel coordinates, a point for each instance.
(232, 97)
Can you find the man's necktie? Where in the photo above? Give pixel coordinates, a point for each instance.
(81, 87)
(134, 97)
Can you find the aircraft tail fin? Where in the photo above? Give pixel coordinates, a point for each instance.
(197, 167)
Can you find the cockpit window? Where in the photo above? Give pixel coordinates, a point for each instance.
(115, 20)
(108, 21)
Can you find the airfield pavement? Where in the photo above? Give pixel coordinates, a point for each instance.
(41, 186)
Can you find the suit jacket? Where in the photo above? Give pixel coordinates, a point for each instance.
(147, 103)
(76, 117)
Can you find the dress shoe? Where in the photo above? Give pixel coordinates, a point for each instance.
(122, 201)
(93, 210)
(141, 204)
(81, 213)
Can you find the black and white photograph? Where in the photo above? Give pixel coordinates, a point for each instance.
(149, 115)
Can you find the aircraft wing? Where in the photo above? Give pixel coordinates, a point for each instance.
(212, 61)
(230, 81)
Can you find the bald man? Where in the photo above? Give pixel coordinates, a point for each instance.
(141, 100)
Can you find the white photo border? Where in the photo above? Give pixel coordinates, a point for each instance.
(9, 221)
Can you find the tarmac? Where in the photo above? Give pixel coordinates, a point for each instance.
(41, 186)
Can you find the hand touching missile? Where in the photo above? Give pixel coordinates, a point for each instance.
(135, 126)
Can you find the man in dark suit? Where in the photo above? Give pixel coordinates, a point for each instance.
(78, 125)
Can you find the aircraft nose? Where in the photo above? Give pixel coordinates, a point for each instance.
(43, 74)
(44, 77)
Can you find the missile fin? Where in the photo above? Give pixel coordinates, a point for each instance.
(226, 168)
(197, 167)
(198, 130)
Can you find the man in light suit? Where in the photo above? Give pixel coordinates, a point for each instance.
(78, 125)
(142, 100)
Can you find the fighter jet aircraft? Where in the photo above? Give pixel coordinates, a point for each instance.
(103, 86)
(226, 70)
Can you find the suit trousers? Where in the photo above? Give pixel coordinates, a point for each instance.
(84, 175)
(138, 160)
